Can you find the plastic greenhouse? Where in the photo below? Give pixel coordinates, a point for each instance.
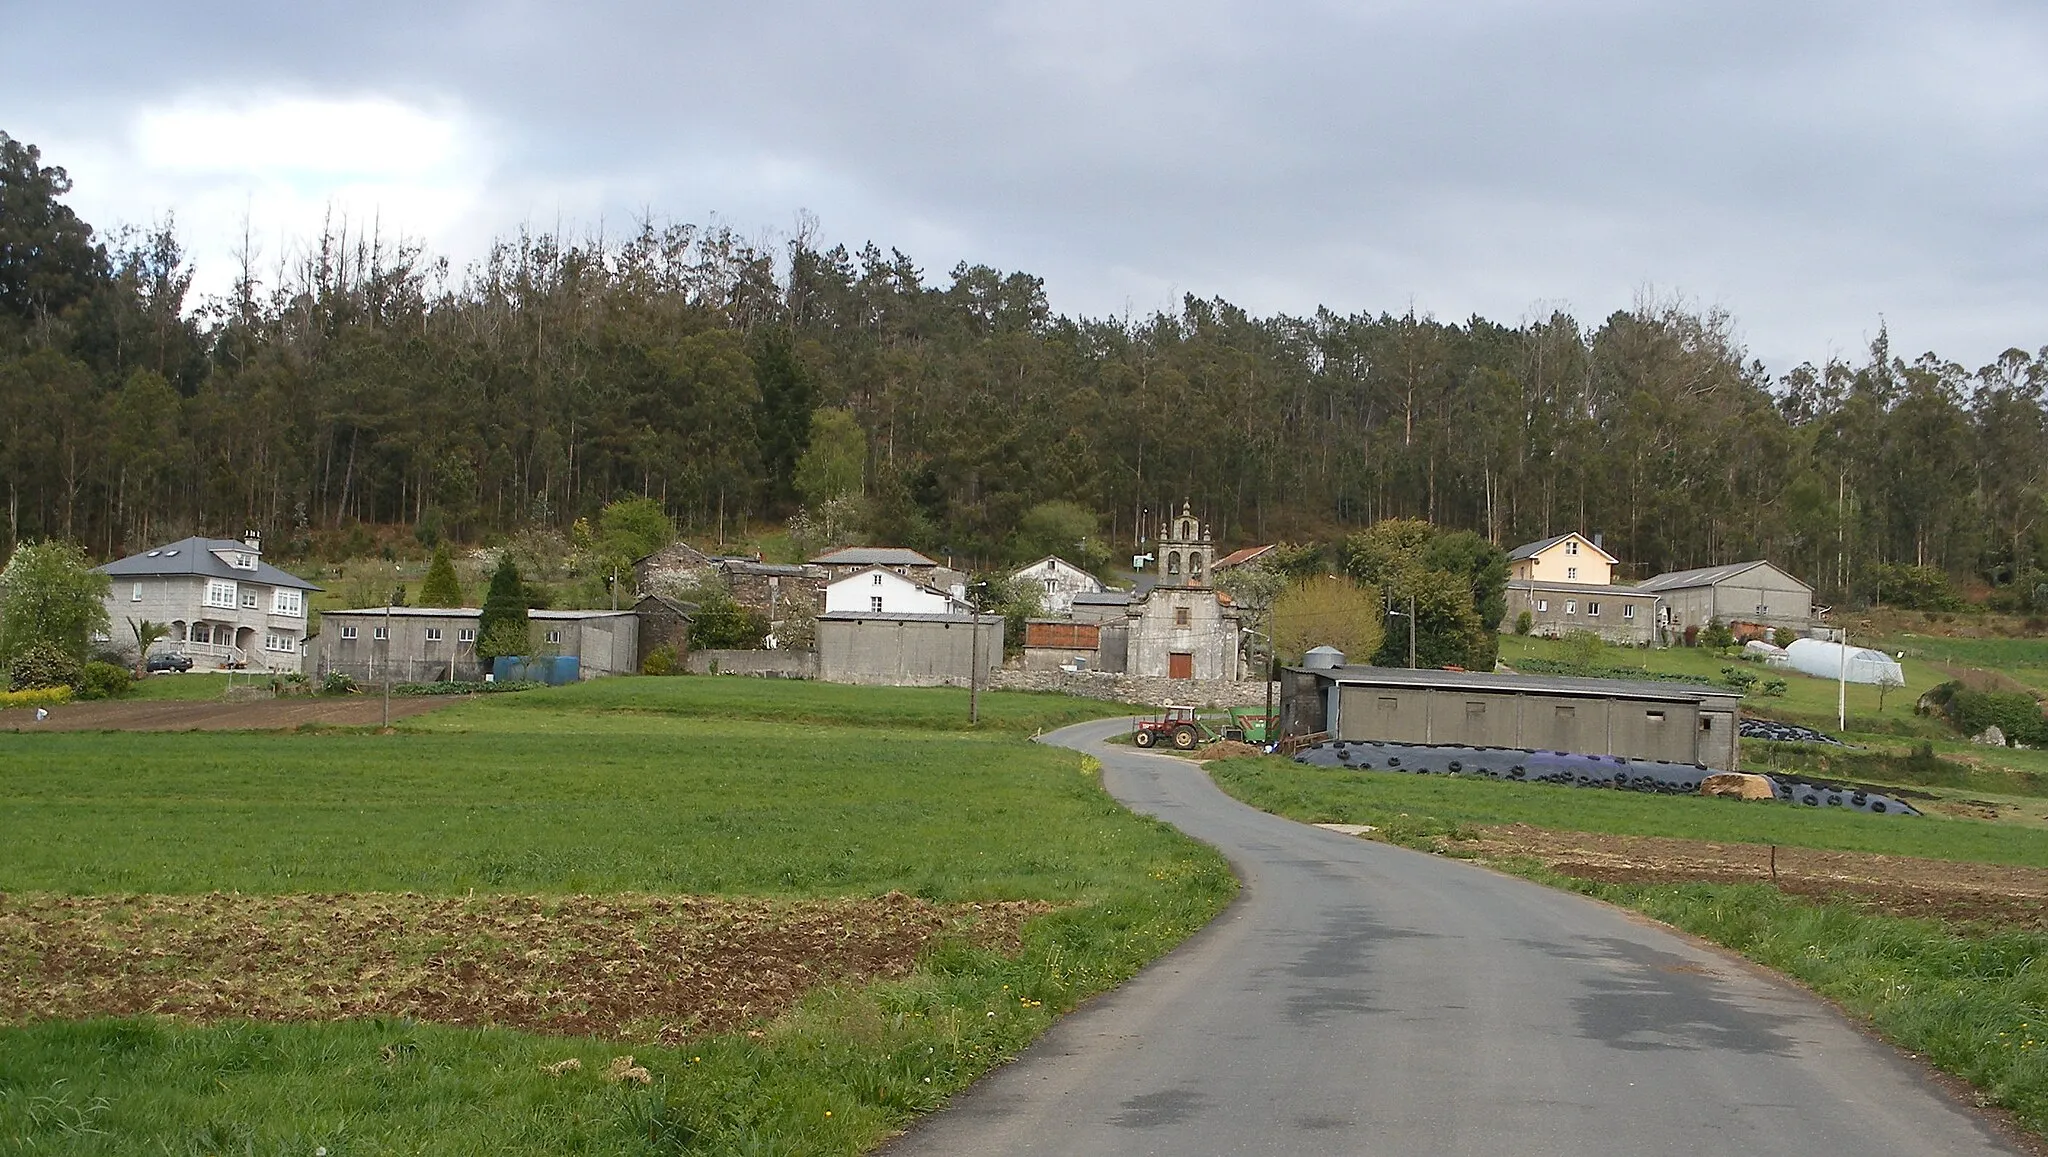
(1823, 660)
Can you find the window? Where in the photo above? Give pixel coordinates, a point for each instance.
(283, 644)
(1052, 586)
(220, 593)
(243, 561)
(249, 600)
(1654, 716)
(1571, 546)
(1543, 606)
(348, 632)
(288, 602)
(381, 634)
(465, 634)
(433, 634)
(1180, 616)
(1571, 606)
(135, 593)
(1628, 611)
(1571, 573)
(554, 636)
(1592, 610)
(878, 578)
(875, 604)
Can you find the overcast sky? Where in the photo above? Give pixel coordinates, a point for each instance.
(1813, 168)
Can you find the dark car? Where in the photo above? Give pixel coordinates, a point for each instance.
(168, 661)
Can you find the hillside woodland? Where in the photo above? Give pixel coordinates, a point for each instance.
(363, 380)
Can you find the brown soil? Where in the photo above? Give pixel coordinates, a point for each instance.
(221, 715)
(638, 967)
(1956, 893)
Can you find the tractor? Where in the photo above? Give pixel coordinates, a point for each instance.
(1174, 725)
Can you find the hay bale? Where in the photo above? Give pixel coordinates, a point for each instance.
(1738, 785)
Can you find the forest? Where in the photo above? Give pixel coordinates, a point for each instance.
(366, 381)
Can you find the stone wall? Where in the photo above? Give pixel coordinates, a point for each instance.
(764, 664)
(1154, 692)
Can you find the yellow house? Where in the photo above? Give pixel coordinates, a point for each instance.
(1567, 558)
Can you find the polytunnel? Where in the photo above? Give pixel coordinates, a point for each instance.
(1823, 660)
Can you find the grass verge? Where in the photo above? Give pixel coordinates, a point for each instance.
(1970, 999)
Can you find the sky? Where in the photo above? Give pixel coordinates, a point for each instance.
(1815, 169)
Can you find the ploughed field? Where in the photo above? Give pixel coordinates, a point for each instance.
(805, 914)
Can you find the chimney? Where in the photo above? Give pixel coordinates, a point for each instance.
(253, 540)
(1599, 540)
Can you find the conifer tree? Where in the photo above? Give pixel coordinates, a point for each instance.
(501, 630)
(441, 588)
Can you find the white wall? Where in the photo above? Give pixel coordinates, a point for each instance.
(855, 594)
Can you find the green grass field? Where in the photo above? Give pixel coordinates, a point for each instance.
(663, 786)
(1806, 699)
(1971, 1001)
(2024, 660)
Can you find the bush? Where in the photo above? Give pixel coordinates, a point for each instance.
(1738, 678)
(102, 681)
(463, 687)
(1970, 712)
(659, 661)
(1775, 688)
(40, 665)
(1913, 588)
(1717, 636)
(40, 697)
(1524, 623)
(337, 683)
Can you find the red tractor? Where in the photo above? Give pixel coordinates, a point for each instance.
(1173, 725)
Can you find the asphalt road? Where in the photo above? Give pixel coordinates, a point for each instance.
(1365, 999)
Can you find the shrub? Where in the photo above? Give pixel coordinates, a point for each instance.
(463, 687)
(337, 683)
(1524, 623)
(102, 681)
(1971, 712)
(42, 664)
(1738, 678)
(1717, 636)
(40, 697)
(659, 661)
(1775, 688)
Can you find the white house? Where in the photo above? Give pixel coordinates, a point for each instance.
(1057, 582)
(224, 605)
(878, 590)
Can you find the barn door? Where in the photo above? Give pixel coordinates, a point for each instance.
(1180, 665)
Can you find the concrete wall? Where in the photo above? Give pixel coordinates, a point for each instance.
(761, 664)
(1123, 688)
(1676, 730)
(1547, 615)
(903, 652)
(409, 657)
(604, 645)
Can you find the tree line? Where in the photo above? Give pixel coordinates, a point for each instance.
(366, 381)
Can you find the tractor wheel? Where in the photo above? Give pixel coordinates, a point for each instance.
(1145, 738)
(1185, 737)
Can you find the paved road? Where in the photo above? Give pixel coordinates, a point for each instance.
(1365, 999)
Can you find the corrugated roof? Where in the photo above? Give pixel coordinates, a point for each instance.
(1239, 558)
(194, 556)
(1523, 684)
(1707, 576)
(873, 556)
(1104, 598)
(409, 612)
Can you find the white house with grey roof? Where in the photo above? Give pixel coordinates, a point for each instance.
(909, 563)
(877, 590)
(225, 606)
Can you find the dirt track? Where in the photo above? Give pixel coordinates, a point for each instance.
(1898, 885)
(220, 715)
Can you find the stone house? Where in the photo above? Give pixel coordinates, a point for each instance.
(1057, 582)
(1625, 616)
(225, 606)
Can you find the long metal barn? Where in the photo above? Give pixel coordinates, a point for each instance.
(1640, 720)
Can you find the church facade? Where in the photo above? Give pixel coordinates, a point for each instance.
(1182, 627)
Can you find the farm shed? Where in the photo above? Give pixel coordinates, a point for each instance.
(1749, 592)
(907, 650)
(1638, 720)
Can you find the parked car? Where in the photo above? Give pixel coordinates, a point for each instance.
(168, 661)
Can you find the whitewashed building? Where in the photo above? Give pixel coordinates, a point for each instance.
(878, 590)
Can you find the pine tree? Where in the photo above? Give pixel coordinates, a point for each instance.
(503, 623)
(441, 588)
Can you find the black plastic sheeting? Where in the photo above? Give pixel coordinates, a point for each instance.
(1776, 732)
(1570, 769)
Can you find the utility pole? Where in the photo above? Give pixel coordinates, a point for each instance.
(387, 663)
(1411, 632)
(1842, 682)
(974, 660)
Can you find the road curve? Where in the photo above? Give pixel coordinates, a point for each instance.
(1360, 998)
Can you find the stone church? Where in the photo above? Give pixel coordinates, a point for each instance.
(1182, 627)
